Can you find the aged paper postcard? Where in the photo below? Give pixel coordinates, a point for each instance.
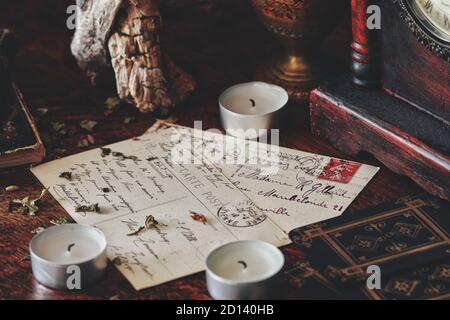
(246, 199)
(294, 188)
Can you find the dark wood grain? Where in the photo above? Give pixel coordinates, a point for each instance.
(406, 142)
(219, 47)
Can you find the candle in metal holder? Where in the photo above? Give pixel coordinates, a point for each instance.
(243, 270)
(61, 253)
(247, 109)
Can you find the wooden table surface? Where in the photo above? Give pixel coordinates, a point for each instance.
(219, 47)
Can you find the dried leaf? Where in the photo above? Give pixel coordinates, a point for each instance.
(105, 152)
(88, 208)
(66, 175)
(88, 125)
(37, 230)
(29, 206)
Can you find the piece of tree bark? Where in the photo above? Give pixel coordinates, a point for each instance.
(130, 37)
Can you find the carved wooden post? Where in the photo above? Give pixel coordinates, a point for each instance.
(365, 61)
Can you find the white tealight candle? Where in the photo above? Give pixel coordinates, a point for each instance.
(247, 109)
(243, 270)
(62, 253)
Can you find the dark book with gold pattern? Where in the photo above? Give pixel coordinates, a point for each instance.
(408, 240)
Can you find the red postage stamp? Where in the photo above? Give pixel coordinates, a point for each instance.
(339, 171)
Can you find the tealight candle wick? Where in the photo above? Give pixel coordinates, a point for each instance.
(253, 103)
(244, 264)
(70, 246)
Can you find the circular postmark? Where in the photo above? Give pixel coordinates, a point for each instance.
(241, 214)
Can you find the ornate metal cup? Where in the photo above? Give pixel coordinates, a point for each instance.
(301, 25)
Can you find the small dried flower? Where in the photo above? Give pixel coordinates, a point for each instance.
(150, 222)
(59, 151)
(198, 217)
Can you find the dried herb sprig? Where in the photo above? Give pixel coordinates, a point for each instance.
(198, 217)
(88, 208)
(59, 221)
(66, 175)
(150, 222)
(124, 157)
(27, 205)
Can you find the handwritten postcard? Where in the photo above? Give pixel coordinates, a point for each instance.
(293, 188)
(261, 197)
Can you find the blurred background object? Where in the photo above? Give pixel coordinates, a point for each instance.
(19, 140)
(301, 26)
